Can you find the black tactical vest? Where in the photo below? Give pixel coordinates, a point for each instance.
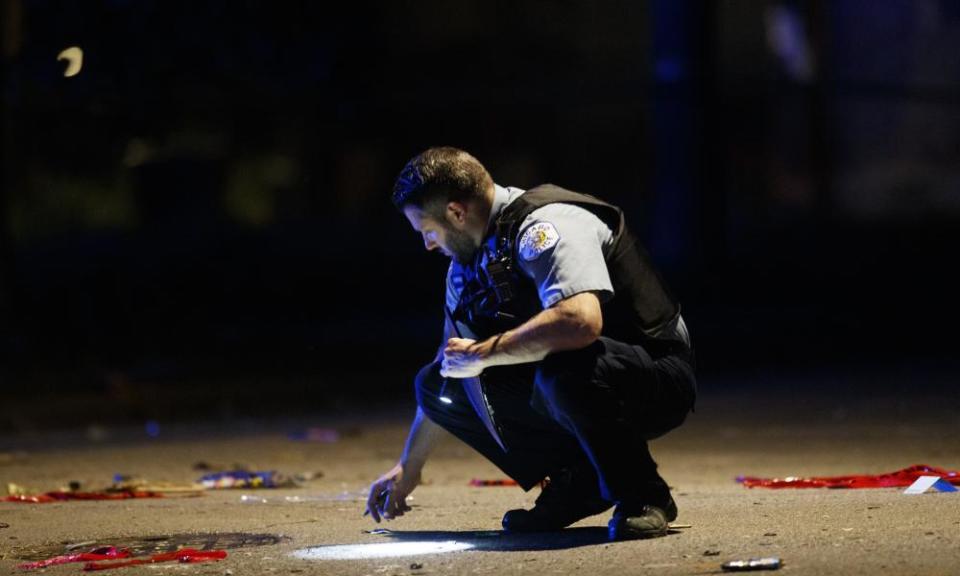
(500, 296)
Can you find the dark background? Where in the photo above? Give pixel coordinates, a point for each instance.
(197, 225)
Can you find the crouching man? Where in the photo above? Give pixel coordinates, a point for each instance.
(563, 351)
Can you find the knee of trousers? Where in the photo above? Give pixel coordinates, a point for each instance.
(427, 386)
(560, 388)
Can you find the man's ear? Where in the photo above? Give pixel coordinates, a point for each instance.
(457, 212)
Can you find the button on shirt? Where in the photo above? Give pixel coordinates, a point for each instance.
(559, 247)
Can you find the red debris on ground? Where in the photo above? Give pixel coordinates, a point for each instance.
(106, 557)
(505, 482)
(96, 554)
(63, 495)
(184, 556)
(898, 479)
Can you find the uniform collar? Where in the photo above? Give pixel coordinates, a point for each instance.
(501, 197)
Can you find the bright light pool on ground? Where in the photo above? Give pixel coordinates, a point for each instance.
(381, 550)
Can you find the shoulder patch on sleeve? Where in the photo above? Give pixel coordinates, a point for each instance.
(538, 239)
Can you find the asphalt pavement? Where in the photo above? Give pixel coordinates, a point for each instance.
(807, 427)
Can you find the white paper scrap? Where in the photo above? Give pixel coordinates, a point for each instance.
(922, 484)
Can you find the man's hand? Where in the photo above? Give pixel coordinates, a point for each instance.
(388, 494)
(570, 324)
(463, 358)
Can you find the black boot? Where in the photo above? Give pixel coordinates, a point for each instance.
(636, 520)
(567, 498)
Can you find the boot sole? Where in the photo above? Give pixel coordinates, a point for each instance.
(619, 533)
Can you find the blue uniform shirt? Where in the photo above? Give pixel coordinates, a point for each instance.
(560, 247)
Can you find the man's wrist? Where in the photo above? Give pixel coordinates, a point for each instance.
(411, 469)
(489, 349)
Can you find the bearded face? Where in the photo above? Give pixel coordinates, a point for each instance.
(440, 234)
(459, 245)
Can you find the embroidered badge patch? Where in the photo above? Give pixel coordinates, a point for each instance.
(538, 239)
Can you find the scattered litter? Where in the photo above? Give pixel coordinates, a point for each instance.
(416, 565)
(679, 526)
(505, 482)
(95, 554)
(4, 525)
(184, 556)
(770, 534)
(168, 488)
(124, 487)
(376, 531)
(898, 479)
(244, 479)
(61, 496)
(341, 497)
(772, 563)
(16, 489)
(925, 483)
(322, 435)
(711, 552)
(146, 545)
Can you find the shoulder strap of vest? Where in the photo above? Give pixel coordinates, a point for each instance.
(513, 215)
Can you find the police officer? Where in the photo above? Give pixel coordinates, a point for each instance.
(563, 352)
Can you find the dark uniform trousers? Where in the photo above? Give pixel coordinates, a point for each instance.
(590, 410)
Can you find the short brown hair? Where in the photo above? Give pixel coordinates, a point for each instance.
(440, 175)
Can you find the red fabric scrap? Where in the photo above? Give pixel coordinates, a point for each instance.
(505, 482)
(898, 479)
(61, 496)
(185, 555)
(96, 554)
